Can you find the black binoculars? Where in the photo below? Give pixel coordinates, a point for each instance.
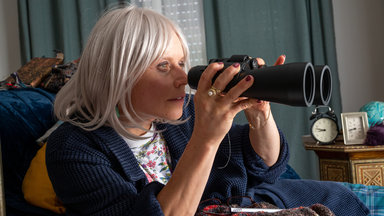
(295, 84)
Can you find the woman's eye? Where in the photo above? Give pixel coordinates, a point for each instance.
(164, 66)
(182, 64)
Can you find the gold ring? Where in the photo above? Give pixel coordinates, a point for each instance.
(213, 91)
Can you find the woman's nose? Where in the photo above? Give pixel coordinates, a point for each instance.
(180, 78)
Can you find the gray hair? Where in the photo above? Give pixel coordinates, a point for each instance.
(121, 46)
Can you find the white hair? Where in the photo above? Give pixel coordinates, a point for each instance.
(122, 45)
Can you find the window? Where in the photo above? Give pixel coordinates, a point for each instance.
(189, 16)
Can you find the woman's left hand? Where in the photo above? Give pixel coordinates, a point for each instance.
(260, 111)
(263, 133)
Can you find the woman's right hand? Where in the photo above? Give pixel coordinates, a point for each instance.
(213, 118)
(214, 114)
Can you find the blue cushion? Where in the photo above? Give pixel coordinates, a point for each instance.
(26, 114)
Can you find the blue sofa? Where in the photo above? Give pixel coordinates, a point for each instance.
(27, 113)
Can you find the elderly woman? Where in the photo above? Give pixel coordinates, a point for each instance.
(134, 143)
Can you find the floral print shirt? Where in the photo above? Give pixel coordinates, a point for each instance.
(152, 156)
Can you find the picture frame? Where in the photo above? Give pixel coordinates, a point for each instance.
(355, 127)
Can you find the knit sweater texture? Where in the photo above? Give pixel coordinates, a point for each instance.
(95, 173)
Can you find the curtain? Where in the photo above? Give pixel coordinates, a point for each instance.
(300, 29)
(49, 25)
(64, 25)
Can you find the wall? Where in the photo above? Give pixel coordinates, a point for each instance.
(9, 38)
(359, 33)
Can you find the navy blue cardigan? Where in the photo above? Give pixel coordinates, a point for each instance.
(95, 173)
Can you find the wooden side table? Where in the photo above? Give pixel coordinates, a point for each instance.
(358, 164)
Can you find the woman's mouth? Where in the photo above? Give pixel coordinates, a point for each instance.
(181, 98)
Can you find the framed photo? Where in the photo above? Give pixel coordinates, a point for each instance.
(355, 127)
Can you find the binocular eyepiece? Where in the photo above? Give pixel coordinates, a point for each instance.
(295, 84)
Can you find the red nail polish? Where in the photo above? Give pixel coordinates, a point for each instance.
(236, 64)
(248, 78)
(220, 63)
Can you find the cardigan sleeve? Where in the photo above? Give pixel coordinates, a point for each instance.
(88, 181)
(257, 170)
(240, 150)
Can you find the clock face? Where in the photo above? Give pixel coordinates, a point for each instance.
(355, 127)
(324, 130)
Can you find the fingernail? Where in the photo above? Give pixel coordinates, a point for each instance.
(248, 78)
(220, 63)
(236, 64)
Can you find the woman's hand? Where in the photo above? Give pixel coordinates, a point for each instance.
(259, 112)
(263, 133)
(215, 112)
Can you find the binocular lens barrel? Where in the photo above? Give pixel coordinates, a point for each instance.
(323, 85)
(295, 84)
(291, 84)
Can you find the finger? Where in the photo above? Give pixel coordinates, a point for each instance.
(205, 81)
(235, 92)
(280, 60)
(242, 105)
(226, 76)
(260, 104)
(260, 62)
(240, 99)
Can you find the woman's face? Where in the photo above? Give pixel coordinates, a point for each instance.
(160, 92)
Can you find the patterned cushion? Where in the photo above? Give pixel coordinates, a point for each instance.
(371, 196)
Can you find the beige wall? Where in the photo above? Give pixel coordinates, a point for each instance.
(359, 29)
(9, 38)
